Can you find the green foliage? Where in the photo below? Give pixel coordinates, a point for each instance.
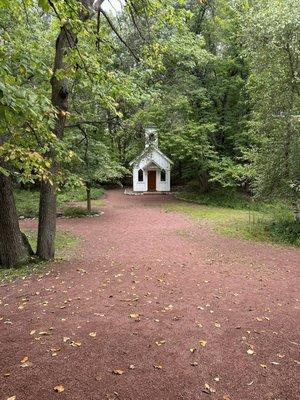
(271, 37)
(219, 79)
(267, 224)
(27, 201)
(219, 198)
(75, 212)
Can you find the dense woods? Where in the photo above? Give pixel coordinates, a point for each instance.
(78, 84)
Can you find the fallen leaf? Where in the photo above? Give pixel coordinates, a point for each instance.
(131, 366)
(135, 316)
(157, 366)
(66, 339)
(202, 343)
(32, 332)
(160, 343)
(263, 366)
(93, 334)
(59, 389)
(118, 372)
(192, 350)
(250, 351)
(194, 364)
(24, 360)
(226, 397)
(217, 325)
(12, 398)
(75, 344)
(209, 389)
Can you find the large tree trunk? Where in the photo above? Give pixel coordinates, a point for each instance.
(65, 41)
(14, 246)
(60, 94)
(47, 222)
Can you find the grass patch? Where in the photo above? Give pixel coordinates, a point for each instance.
(76, 212)
(65, 242)
(220, 198)
(271, 224)
(27, 201)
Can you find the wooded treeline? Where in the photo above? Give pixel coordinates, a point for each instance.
(219, 78)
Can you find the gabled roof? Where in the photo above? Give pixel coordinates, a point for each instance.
(149, 150)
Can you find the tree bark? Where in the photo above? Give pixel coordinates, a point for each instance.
(14, 246)
(88, 198)
(65, 41)
(47, 222)
(47, 208)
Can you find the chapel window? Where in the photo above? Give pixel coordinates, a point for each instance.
(140, 175)
(163, 175)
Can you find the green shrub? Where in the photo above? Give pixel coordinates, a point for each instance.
(219, 198)
(27, 201)
(78, 194)
(283, 231)
(75, 212)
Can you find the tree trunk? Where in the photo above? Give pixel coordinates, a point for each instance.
(59, 98)
(14, 246)
(65, 41)
(296, 211)
(47, 222)
(88, 198)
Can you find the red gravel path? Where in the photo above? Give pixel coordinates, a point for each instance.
(232, 294)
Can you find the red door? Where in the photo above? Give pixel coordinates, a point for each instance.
(151, 181)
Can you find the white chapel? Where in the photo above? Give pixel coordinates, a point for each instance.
(152, 168)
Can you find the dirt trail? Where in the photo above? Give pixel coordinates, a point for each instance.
(235, 302)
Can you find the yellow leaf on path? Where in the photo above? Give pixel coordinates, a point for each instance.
(135, 316)
(66, 339)
(263, 366)
(24, 360)
(217, 325)
(160, 343)
(59, 389)
(12, 398)
(93, 334)
(212, 390)
(202, 343)
(250, 351)
(157, 366)
(32, 332)
(118, 372)
(75, 344)
(192, 350)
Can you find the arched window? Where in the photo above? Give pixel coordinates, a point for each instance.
(140, 175)
(163, 175)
